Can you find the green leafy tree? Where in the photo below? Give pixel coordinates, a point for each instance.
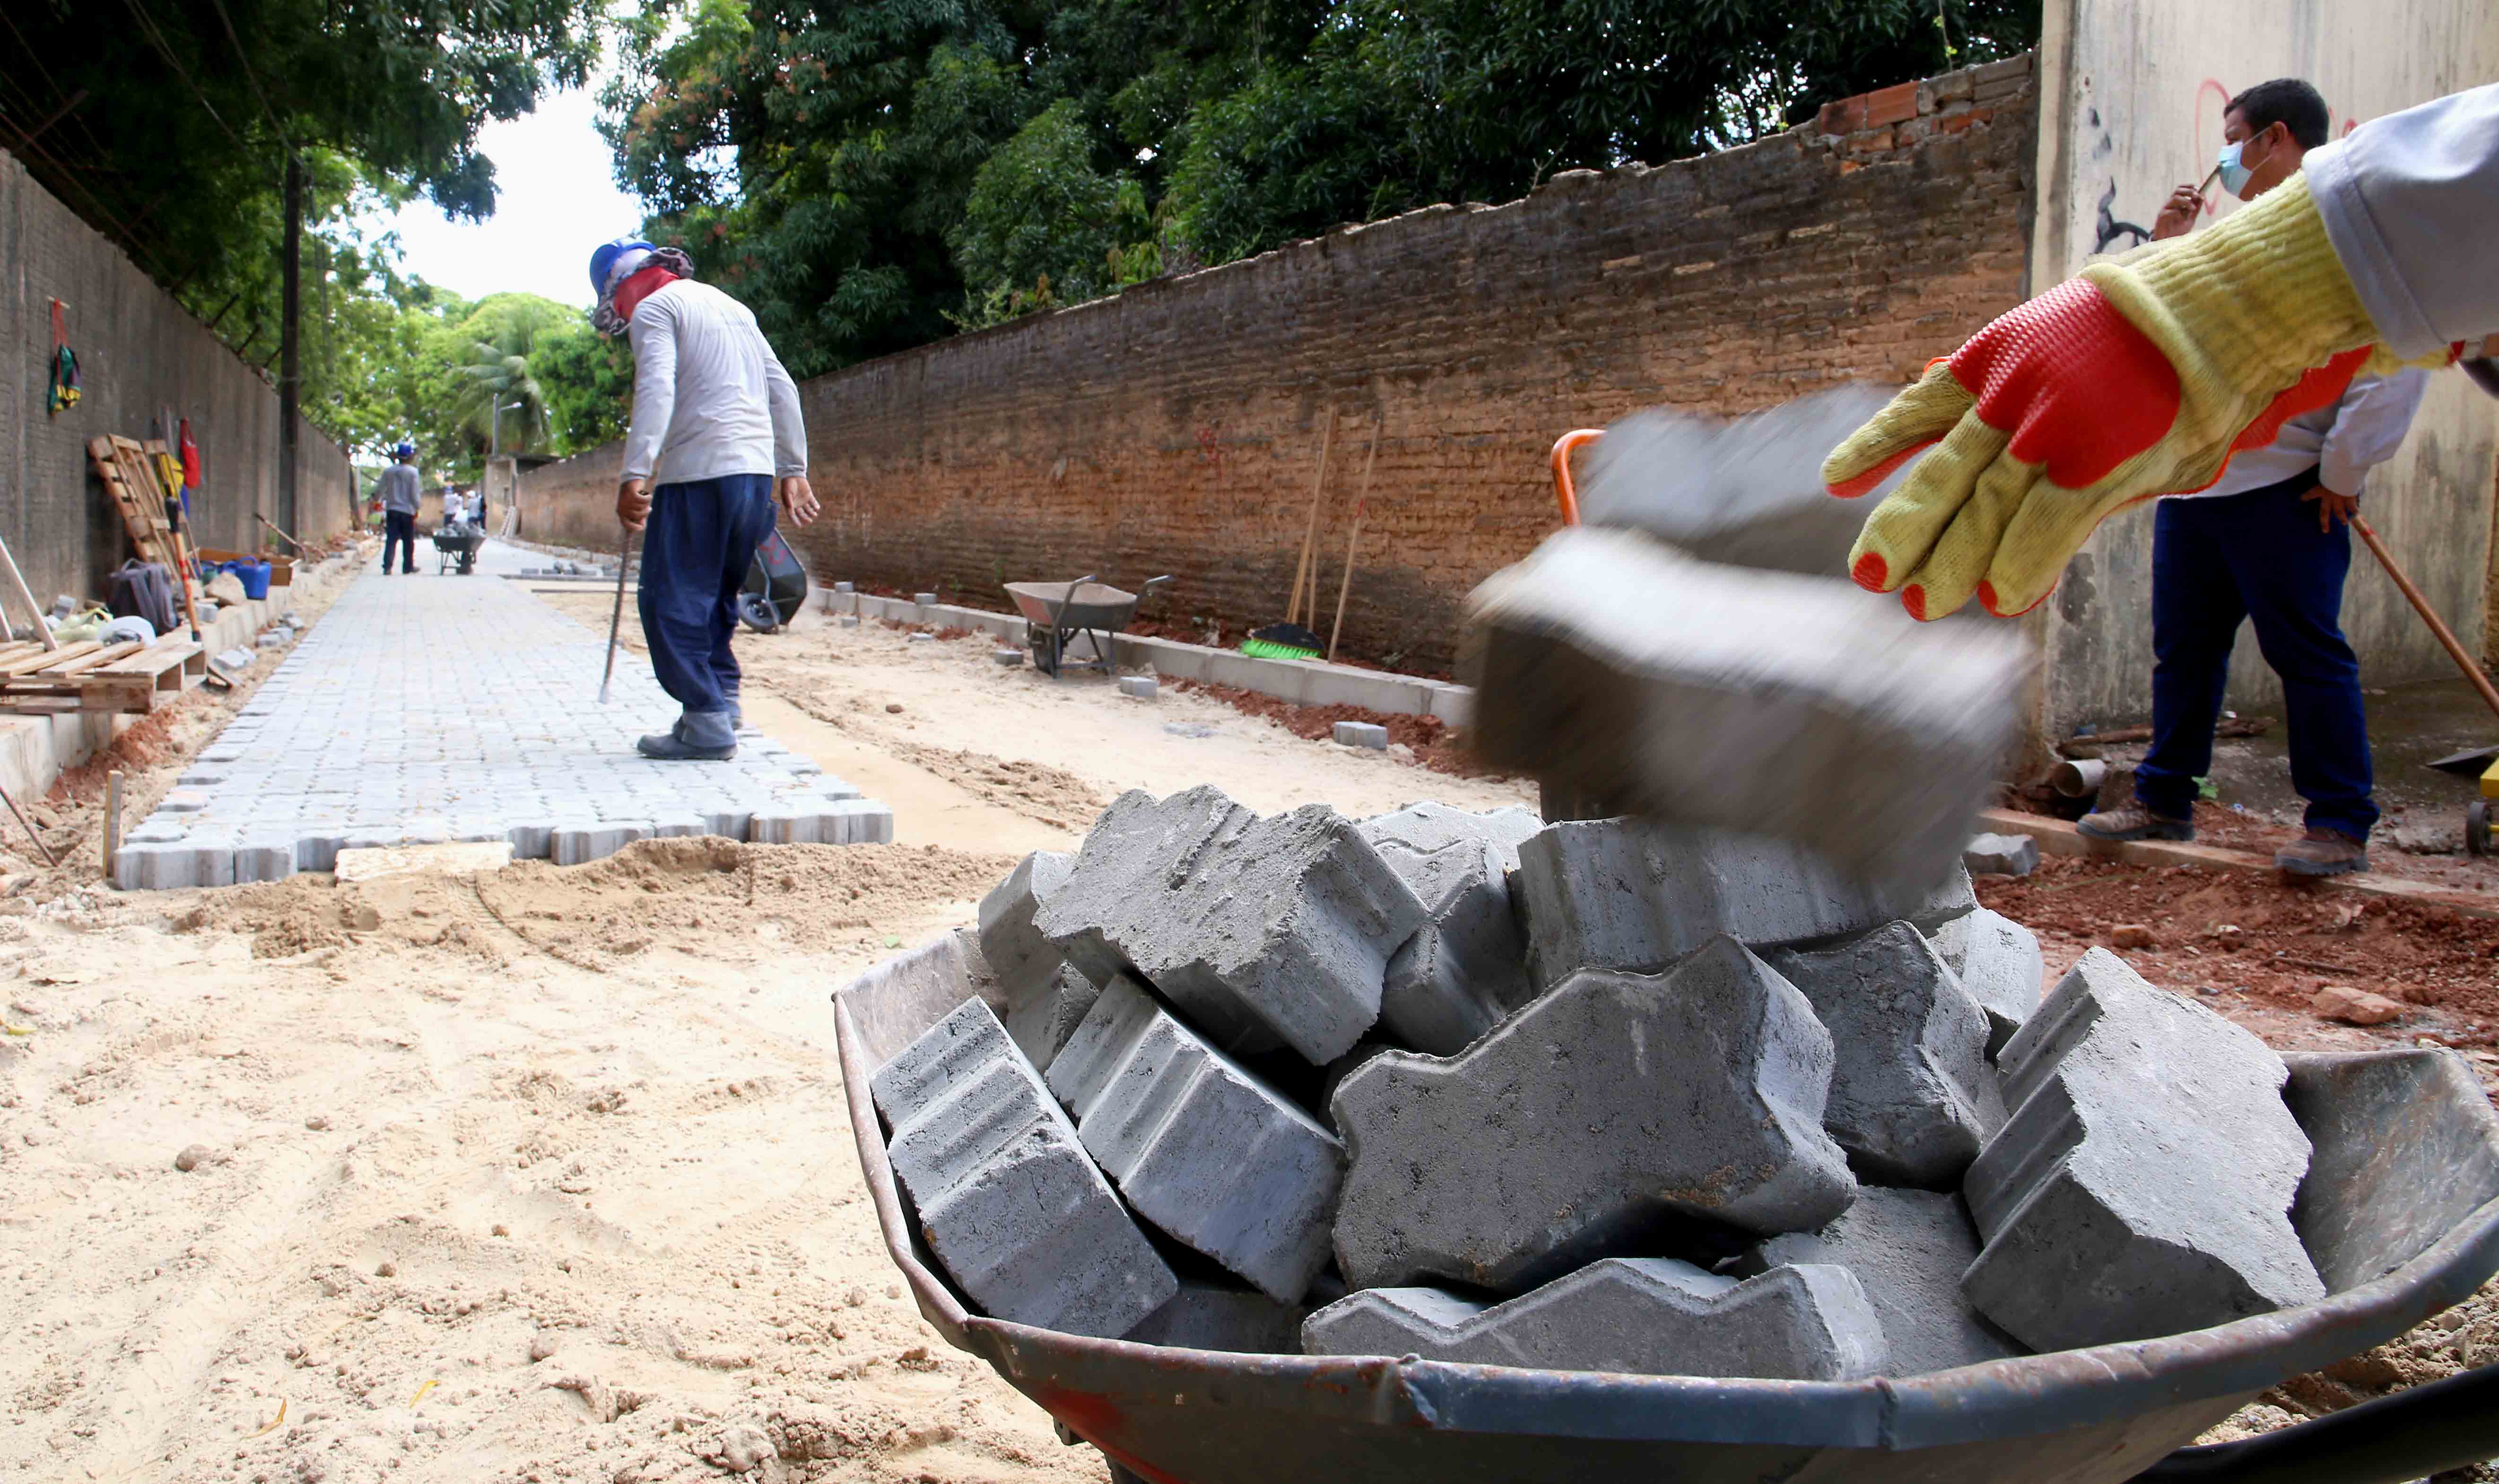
(1043, 224)
(167, 126)
(868, 173)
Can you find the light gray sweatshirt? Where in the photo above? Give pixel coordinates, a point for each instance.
(709, 396)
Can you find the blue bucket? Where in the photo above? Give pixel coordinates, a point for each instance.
(253, 575)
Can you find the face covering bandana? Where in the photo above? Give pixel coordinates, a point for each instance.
(607, 318)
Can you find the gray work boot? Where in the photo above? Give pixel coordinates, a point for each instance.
(2134, 822)
(2322, 852)
(699, 736)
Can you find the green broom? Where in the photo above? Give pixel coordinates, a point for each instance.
(1282, 641)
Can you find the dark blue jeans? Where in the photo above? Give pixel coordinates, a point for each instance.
(398, 533)
(695, 554)
(2216, 563)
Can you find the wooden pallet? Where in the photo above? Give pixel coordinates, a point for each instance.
(89, 676)
(123, 467)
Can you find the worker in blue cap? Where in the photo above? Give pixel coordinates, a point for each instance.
(715, 445)
(398, 490)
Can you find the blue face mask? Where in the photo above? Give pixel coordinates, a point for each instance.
(2236, 174)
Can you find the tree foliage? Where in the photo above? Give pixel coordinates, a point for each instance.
(166, 126)
(868, 173)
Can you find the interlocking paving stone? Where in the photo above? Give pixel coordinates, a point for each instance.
(436, 708)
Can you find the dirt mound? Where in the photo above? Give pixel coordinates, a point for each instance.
(1037, 790)
(718, 899)
(2269, 939)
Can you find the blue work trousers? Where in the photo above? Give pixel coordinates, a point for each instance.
(398, 533)
(701, 536)
(2214, 564)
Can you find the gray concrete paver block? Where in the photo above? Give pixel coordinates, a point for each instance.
(1612, 1105)
(1912, 1098)
(1200, 1147)
(1908, 1249)
(1994, 854)
(1466, 967)
(1007, 1199)
(1042, 1021)
(1998, 961)
(1138, 687)
(1370, 734)
(1025, 959)
(1209, 1316)
(1626, 894)
(1264, 931)
(1643, 1316)
(2144, 1184)
(1720, 696)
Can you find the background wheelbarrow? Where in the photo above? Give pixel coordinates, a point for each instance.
(2400, 1210)
(1057, 613)
(458, 545)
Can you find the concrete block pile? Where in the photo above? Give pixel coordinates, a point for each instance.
(1595, 1095)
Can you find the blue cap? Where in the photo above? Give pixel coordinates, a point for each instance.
(603, 263)
(404, 452)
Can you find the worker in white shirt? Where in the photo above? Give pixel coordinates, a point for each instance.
(716, 442)
(2269, 541)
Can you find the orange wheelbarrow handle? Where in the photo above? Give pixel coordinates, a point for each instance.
(1562, 492)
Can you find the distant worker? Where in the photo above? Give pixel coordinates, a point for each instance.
(2270, 541)
(715, 443)
(399, 494)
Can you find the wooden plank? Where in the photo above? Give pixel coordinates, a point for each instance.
(2057, 837)
(156, 659)
(77, 664)
(36, 662)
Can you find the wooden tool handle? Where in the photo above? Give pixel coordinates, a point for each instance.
(2447, 637)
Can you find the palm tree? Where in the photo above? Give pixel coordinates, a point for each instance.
(497, 372)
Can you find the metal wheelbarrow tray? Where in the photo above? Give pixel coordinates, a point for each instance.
(2400, 1210)
(1055, 613)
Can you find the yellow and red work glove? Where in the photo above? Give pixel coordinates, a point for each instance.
(2140, 377)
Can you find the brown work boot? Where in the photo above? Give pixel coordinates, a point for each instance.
(2322, 852)
(2134, 822)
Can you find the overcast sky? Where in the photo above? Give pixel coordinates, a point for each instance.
(558, 200)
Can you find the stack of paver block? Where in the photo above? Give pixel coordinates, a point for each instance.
(1600, 1094)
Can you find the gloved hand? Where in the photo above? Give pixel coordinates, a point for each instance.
(2140, 377)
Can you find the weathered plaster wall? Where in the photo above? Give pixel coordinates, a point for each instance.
(2131, 95)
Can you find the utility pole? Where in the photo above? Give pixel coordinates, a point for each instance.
(290, 315)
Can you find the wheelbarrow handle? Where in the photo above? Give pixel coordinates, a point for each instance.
(2445, 1424)
(1565, 493)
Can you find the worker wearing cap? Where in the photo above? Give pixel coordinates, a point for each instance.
(715, 443)
(399, 493)
(2268, 542)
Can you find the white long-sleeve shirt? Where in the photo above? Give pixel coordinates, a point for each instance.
(2411, 203)
(709, 396)
(2342, 441)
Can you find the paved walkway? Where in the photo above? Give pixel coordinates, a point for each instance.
(439, 708)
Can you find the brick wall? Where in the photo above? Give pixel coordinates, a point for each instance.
(138, 353)
(1176, 427)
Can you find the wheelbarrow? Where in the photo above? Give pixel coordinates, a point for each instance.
(2400, 1210)
(459, 545)
(775, 587)
(1056, 614)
